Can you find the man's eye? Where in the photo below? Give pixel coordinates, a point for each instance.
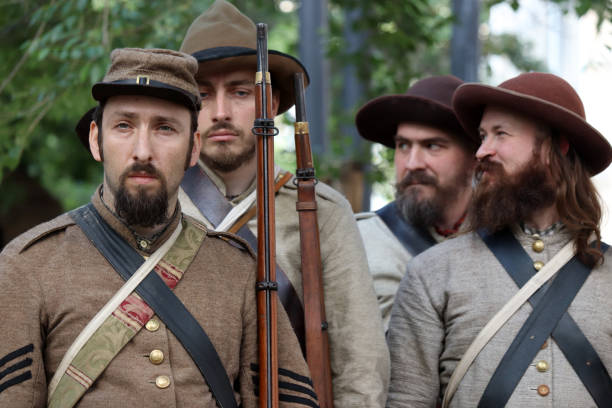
(401, 146)
(203, 95)
(123, 125)
(241, 93)
(434, 146)
(166, 128)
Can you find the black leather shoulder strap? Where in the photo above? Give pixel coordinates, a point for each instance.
(214, 206)
(125, 260)
(414, 239)
(549, 318)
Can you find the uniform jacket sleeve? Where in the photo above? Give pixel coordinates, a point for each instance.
(359, 354)
(22, 371)
(415, 338)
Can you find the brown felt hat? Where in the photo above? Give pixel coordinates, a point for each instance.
(160, 73)
(222, 39)
(428, 101)
(544, 97)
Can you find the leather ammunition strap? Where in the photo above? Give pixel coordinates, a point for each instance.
(549, 318)
(214, 207)
(126, 260)
(414, 239)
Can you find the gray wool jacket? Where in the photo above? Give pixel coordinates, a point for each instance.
(447, 296)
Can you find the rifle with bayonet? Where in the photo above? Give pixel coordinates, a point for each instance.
(267, 298)
(317, 343)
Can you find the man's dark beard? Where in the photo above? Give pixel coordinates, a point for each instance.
(226, 161)
(426, 212)
(510, 199)
(142, 208)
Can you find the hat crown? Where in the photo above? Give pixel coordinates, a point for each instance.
(439, 89)
(547, 87)
(221, 25)
(170, 67)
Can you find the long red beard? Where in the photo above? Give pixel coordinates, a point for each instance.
(501, 200)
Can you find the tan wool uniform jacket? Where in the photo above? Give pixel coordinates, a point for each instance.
(387, 259)
(359, 354)
(53, 281)
(447, 296)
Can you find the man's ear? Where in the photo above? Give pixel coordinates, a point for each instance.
(195, 150)
(94, 147)
(275, 101)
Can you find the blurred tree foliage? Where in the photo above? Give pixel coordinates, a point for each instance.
(54, 50)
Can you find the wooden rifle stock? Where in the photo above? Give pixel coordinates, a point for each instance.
(317, 342)
(267, 298)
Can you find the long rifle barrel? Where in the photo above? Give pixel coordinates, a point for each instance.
(266, 248)
(317, 343)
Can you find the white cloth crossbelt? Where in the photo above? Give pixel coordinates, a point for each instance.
(128, 287)
(544, 275)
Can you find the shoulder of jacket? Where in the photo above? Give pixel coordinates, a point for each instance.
(38, 234)
(322, 190)
(365, 215)
(233, 240)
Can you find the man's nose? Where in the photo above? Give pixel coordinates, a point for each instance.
(486, 148)
(221, 110)
(415, 159)
(143, 151)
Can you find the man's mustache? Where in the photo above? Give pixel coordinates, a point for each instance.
(222, 125)
(146, 168)
(489, 166)
(416, 177)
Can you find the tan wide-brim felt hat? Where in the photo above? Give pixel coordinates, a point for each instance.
(427, 101)
(543, 97)
(223, 39)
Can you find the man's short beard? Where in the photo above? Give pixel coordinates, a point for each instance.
(427, 212)
(510, 199)
(225, 161)
(142, 209)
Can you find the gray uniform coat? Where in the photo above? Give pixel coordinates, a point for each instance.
(447, 296)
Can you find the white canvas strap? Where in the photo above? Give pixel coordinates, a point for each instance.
(128, 287)
(504, 314)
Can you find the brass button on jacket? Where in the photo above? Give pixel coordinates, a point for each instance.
(163, 381)
(537, 265)
(543, 390)
(538, 245)
(156, 356)
(542, 366)
(152, 325)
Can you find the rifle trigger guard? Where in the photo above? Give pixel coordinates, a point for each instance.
(267, 127)
(266, 285)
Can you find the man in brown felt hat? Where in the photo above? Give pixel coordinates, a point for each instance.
(534, 255)
(125, 301)
(220, 191)
(434, 161)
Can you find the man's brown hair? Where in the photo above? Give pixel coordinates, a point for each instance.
(577, 201)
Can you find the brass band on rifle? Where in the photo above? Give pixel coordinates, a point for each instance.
(301, 128)
(258, 77)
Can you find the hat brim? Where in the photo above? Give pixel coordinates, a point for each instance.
(378, 119)
(470, 100)
(281, 66)
(104, 90)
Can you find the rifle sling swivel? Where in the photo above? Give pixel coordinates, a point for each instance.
(266, 285)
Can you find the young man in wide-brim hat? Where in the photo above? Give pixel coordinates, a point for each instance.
(434, 159)
(182, 332)
(223, 40)
(534, 211)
